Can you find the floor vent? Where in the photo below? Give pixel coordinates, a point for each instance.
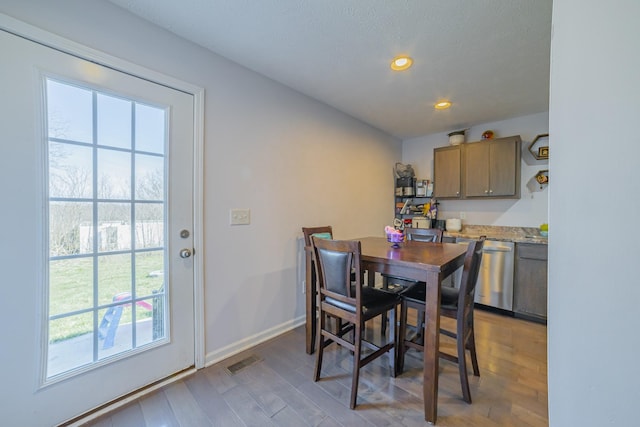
(238, 366)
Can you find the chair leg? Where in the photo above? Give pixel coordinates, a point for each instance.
(420, 326)
(472, 350)
(393, 333)
(383, 319)
(400, 347)
(462, 364)
(319, 345)
(356, 364)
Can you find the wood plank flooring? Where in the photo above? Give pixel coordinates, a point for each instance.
(278, 390)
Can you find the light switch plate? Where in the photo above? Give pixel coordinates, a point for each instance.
(240, 216)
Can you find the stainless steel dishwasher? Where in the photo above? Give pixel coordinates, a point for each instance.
(495, 278)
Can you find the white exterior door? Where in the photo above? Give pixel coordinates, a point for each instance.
(96, 183)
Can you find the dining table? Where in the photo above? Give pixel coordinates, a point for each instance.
(420, 261)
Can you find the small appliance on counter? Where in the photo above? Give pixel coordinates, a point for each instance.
(420, 222)
(421, 187)
(453, 224)
(405, 186)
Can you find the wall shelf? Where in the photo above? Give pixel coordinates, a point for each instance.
(542, 151)
(539, 181)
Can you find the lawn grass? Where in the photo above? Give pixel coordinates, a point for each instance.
(71, 289)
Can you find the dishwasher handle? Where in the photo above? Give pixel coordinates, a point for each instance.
(497, 249)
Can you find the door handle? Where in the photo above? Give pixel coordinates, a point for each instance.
(185, 253)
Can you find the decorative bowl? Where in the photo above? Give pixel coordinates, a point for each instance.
(395, 238)
(544, 233)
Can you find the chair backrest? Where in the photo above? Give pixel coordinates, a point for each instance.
(424, 234)
(324, 231)
(469, 278)
(335, 260)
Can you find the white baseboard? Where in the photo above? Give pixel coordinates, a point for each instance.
(246, 343)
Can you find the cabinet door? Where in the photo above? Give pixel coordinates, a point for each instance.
(446, 172)
(503, 170)
(530, 285)
(476, 170)
(492, 168)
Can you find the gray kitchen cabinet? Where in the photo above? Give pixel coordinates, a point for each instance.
(492, 168)
(530, 281)
(447, 180)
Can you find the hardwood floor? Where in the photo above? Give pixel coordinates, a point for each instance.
(276, 389)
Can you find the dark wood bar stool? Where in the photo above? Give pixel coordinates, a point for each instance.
(354, 304)
(454, 303)
(323, 232)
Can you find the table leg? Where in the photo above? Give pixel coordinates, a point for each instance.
(310, 289)
(371, 278)
(431, 347)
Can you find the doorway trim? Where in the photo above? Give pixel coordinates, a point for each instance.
(70, 47)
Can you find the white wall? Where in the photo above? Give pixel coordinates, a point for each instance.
(532, 207)
(290, 159)
(594, 287)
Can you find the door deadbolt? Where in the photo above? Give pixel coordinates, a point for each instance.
(184, 234)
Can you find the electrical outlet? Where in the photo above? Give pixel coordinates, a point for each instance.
(463, 215)
(240, 216)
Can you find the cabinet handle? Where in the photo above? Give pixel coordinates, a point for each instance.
(486, 191)
(490, 191)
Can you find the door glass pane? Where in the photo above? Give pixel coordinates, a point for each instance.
(69, 112)
(70, 228)
(149, 177)
(149, 225)
(114, 121)
(114, 174)
(114, 278)
(144, 322)
(106, 278)
(70, 343)
(149, 273)
(114, 227)
(150, 129)
(70, 170)
(70, 285)
(114, 331)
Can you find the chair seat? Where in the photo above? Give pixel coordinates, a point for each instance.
(418, 293)
(373, 301)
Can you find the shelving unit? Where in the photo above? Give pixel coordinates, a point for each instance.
(537, 154)
(409, 206)
(407, 203)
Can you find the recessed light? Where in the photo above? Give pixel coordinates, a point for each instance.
(442, 105)
(401, 63)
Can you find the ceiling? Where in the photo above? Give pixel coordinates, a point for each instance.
(490, 58)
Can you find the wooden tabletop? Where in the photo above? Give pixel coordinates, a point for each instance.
(432, 257)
